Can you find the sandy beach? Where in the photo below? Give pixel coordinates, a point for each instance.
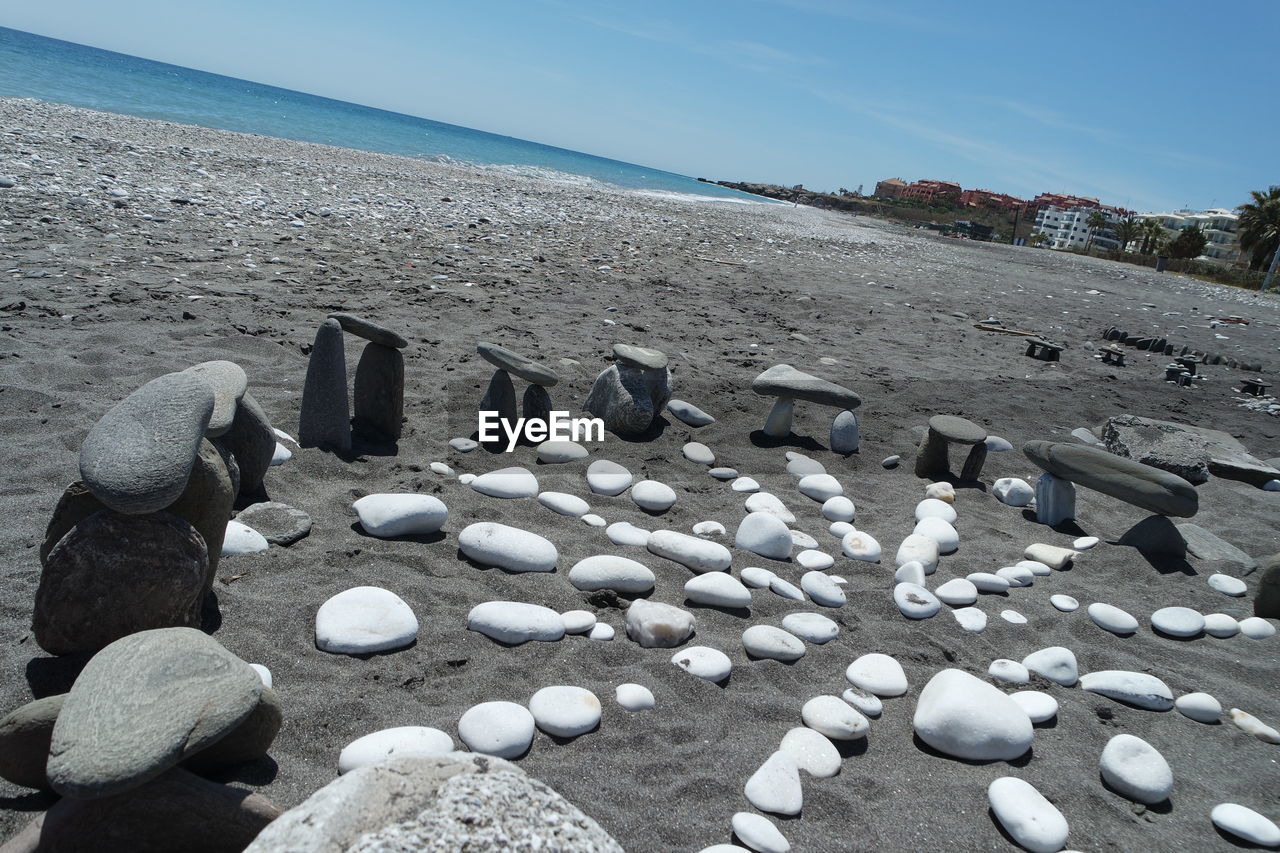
(228, 246)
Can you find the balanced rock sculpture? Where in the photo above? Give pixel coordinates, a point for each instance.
(500, 396)
(379, 384)
(630, 395)
(931, 459)
(788, 385)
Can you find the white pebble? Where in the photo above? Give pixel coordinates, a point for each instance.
(504, 729)
(877, 673)
(957, 592)
(1245, 823)
(1065, 603)
(838, 508)
(858, 545)
(1136, 769)
(717, 589)
(1200, 707)
(812, 752)
(971, 619)
(1256, 628)
(759, 833)
(1040, 707)
(813, 627)
(399, 742)
(766, 641)
(1029, 818)
(634, 697)
(565, 710)
(1111, 618)
(1009, 670)
(1227, 585)
(835, 718)
(602, 632)
(1013, 617)
(1250, 724)
(652, 496)
(775, 787)
(914, 601)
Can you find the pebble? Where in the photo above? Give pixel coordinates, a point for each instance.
(724, 473)
(1065, 603)
(765, 534)
(957, 592)
(1135, 769)
(867, 703)
(607, 571)
(1017, 575)
(689, 413)
(608, 478)
(786, 589)
(820, 487)
(1200, 707)
(910, 572)
(775, 787)
(745, 484)
(564, 503)
(516, 622)
(835, 718)
(1250, 724)
(699, 453)
(492, 544)
(463, 445)
(653, 625)
(838, 508)
(877, 673)
(441, 468)
(593, 520)
(263, 673)
(934, 508)
(626, 533)
(1227, 585)
(389, 515)
(941, 532)
(1013, 617)
(799, 465)
(921, 549)
(1009, 670)
(767, 502)
(717, 589)
(768, 642)
(1256, 628)
(704, 662)
(757, 578)
(822, 589)
(1051, 555)
(914, 601)
(1177, 621)
(965, 717)
(858, 545)
(944, 492)
(366, 619)
(1056, 663)
(388, 744)
(1013, 491)
(813, 627)
(1037, 568)
(811, 751)
(242, 539)
(1221, 625)
(1111, 618)
(814, 560)
(508, 483)
(1133, 688)
(1084, 543)
(987, 582)
(601, 632)
(840, 529)
(759, 833)
(634, 697)
(281, 455)
(1039, 707)
(559, 451)
(971, 619)
(578, 621)
(890, 461)
(707, 528)
(700, 555)
(504, 729)
(466, 479)
(803, 540)
(565, 710)
(996, 444)
(1030, 819)
(1245, 823)
(653, 496)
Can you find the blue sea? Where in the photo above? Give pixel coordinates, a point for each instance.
(52, 70)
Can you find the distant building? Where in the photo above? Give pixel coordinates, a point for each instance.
(992, 200)
(890, 188)
(931, 192)
(1068, 228)
(1218, 225)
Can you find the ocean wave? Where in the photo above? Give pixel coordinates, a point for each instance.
(672, 195)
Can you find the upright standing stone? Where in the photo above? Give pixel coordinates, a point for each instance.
(379, 392)
(536, 403)
(500, 397)
(1055, 500)
(206, 504)
(252, 442)
(845, 433)
(325, 420)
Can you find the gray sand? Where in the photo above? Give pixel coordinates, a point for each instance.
(97, 299)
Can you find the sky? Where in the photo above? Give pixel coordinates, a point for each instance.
(1143, 104)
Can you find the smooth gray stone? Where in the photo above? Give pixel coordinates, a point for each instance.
(783, 380)
(1206, 545)
(113, 575)
(845, 433)
(1226, 456)
(1132, 482)
(206, 504)
(229, 385)
(379, 393)
(248, 741)
(957, 429)
(143, 704)
(973, 463)
(641, 357)
(252, 442)
(370, 331)
(689, 413)
(629, 399)
(536, 403)
(138, 456)
(76, 504)
(177, 811)
(325, 418)
(24, 741)
(512, 362)
(1266, 601)
(279, 523)
(500, 397)
(1159, 445)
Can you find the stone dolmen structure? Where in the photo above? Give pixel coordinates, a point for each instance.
(630, 394)
(1152, 489)
(944, 430)
(500, 396)
(1043, 350)
(325, 419)
(134, 544)
(788, 385)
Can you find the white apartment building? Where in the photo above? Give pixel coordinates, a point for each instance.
(1217, 224)
(1069, 228)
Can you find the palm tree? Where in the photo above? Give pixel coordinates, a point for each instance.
(1152, 236)
(1260, 226)
(1096, 219)
(1127, 230)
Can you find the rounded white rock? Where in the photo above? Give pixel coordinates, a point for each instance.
(607, 571)
(593, 520)
(822, 589)
(765, 534)
(608, 478)
(516, 622)
(745, 485)
(1040, 707)
(441, 468)
(704, 662)
(559, 451)
(877, 673)
(565, 710)
(564, 504)
(934, 508)
(707, 529)
(914, 601)
(492, 544)
(971, 619)
(1221, 625)
(1017, 575)
(815, 560)
(1029, 818)
(1227, 585)
(1013, 491)
(910, 572)
(812, 752)
(699, 453)
(1133, 688)
(1009, 670)
(1179, 622)
(958, 592)
(803, 540)
(634, 697)
(1084, 543)
(654, 625)
(766, 641)
(1245, 823)
(1037, 568)
(504, 729)
(775, 787)
(578, 621)
(1135, 769)
(701, 555)
(965, 717)
(389, 744)
(1111, 618)
(759, 833)
(652, 496)
(1256, 628)
(840, 529)
(835, 718)
(944, 492)
(1056, 663)
(364, 620)
(508, 483)
(820, 487)
(813, 627)
(1065, 603)
(1200, 707)
(756, 577)
(858, 545)
(921, 549)
(770, 503)
(785, 589)
(865, 701)
(242, 539)
(717, 589)
(601, 632)
(1013, 617)
(939, 531)
(724, 473)
(838, 508)
(626, 533)
(987, 582)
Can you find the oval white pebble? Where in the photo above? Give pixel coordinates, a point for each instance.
(701, 555)
(1177, 621)
(1111, 618)
(600, 631)
(1221, 625)
(971, 619)
(1256, 628)
(820, 487)
(626, 533)
(988, 582)
(775, 787)
(866, 702)
(939, 531)
(1017, 575)
(492, 544)
(508, 483)
(766, 502)
(704, 662)
(1009, 670)
(565, 710)
(564, 503)
(386, 515)
(766, 641)
(814, 627)
(364, 620)
(717, 589)
(242, 539)
(877, 673)
(765, 534)
(1039, 707)
(756, 577)
(516, 622)
(914, 601)
(822, 589)
(965, 717)
(608, 478)
(786, 589)
(858, 545)
(834, 717)
(910, 572)
(838, 508)
(1133, 688)
(699, 453)
(1013, 491)
(921, 549)
(840, 529)
(815, 560)
(1013, 617)
(606, 571)
(759, 833)
(388, 744)
(1065, 603)
(812, 752)
(578, 621)
(744, 484)
(504, 729)
(634, 697)
(593, 520)
(708, 529)
(1056, 663)
(958, 592)
(1084, 543)
(1245, 823)
(1136, 769)
(1250, 724)
(652, 496)
(1029, 818)
(1200, 707)
(1227, 585)
(934, 508)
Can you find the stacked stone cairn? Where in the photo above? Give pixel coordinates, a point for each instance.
(325, 420)
(126, 749)
(943, 431)
(500, 396)
(630, 394)
(134, 543)
(788, 385)
(1157, 344)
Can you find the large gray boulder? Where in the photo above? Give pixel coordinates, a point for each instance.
(457, 801)
(252, 442)
(1169, 445)
(138, 456)
(629, 398)
(1132, 482)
